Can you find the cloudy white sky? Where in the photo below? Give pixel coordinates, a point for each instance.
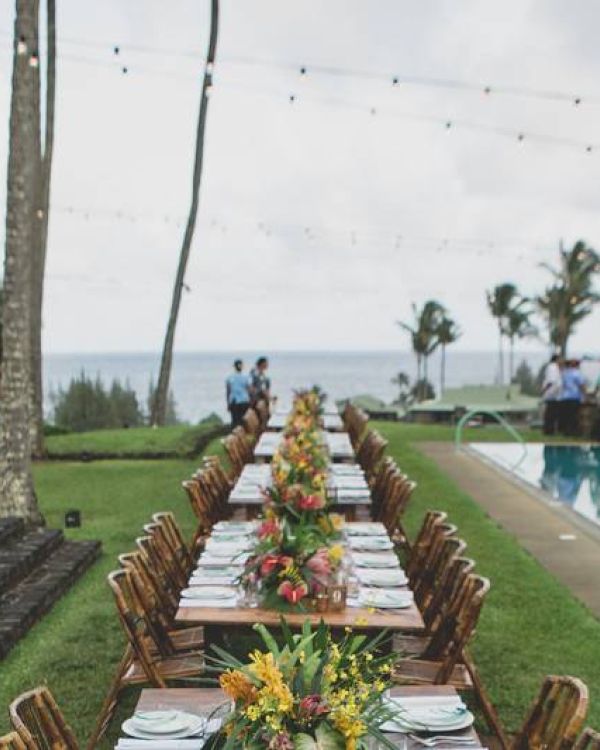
(321, 220)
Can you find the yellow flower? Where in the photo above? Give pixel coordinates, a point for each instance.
(237, 686)
(336, 553)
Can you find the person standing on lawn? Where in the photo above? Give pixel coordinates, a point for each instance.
(260, 386)
(551, 390)
(238, 393)
(571, 396)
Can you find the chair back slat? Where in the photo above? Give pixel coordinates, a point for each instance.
(556, 715)
(589, 740)
(12, 741)
(39, 722)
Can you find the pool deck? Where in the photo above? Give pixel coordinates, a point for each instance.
(535, 522)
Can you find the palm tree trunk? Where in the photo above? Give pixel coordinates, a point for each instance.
(500, 356)
(159, 406)
(443, 371)
(41, 221)
(17, 494)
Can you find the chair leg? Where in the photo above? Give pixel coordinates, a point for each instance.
(110, 702)
(491, 715)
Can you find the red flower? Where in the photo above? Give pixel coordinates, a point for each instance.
(291, 593)
(313, 705)
(268, 565)
(311, 502)
(268, 528)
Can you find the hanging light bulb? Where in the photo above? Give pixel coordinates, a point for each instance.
(124, 70)
(303, 71)
(34, 61)
(116, 50)
(21, 46)
(209, 68)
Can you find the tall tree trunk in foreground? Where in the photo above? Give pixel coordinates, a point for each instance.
(39, 249)
(17, 494)
(159, 406)
(443, 371)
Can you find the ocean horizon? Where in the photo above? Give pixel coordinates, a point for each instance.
(198, 378)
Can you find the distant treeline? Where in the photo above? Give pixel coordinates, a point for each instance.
(88, 405)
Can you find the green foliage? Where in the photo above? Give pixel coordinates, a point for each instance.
(87, 405)
(422, 390)
(527, 380)
(572, 296)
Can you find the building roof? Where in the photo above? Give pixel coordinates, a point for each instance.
(481, 397)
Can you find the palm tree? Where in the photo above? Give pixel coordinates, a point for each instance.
(17, 494)
(517, 325)
(41, 224)
(447, 333)
(159, 406)
(572, 296)
(424, 339)
(500, 300)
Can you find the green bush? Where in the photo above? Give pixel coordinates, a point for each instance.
(87, 405)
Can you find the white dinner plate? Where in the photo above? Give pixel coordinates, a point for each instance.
(430, 720)
(189, 724)
(371, 543)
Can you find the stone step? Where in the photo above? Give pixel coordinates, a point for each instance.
(24, 604)
(11, 528)
(20, 556)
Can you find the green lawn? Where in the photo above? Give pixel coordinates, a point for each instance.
(530, 626)
(178, 440)
(492, 433)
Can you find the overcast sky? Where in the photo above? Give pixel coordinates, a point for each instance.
(321, 219)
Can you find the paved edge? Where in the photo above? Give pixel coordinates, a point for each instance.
(535, 522)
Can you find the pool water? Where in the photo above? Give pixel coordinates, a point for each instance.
(570, 474)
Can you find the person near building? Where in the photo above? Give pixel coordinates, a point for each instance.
(571, 395)
(551, 391)
(238, 393)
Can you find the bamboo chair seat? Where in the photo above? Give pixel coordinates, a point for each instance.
(410, 645)
(172, 668)
(589, 740)
(425, 672)
(12, 741)
(39, 722)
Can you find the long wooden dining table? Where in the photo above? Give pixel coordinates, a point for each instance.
(204, 701)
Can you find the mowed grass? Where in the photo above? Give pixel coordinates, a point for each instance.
(76, 648)
(176, 440)
(531, 625)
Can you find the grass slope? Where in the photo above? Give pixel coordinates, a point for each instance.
(177, 440)
(531, 625)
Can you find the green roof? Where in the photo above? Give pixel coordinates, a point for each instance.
(485, 397)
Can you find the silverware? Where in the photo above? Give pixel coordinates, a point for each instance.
(440, 739)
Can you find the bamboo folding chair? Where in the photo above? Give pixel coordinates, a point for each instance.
(142, 662)
(175, 540)
(171, 563)
(39, 722)
(159, 617)
(444, 549)
(251, 423)
(235, 454)
(164, 581)
(12, 741)
(394, 506)
(589, 740)
(423, 541)
(556, 716)
(201, 508)
(261, 407)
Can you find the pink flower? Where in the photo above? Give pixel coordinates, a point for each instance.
(281, 741)
(311, 502)
(268, 565)
(292, 594)
(319, 563)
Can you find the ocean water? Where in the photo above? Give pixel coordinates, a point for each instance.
(198, 377)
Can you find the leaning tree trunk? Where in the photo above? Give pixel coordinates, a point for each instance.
(41, 223)
(160, 401)
(17, 494)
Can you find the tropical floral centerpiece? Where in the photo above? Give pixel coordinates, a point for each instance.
(310, 694)
(291, 563)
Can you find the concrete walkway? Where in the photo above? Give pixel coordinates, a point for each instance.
(535, 522)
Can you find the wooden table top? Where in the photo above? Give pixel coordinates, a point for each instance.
(202, 701)
(407, 620)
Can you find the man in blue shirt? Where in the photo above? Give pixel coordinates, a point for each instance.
(571, 396)
(238, 393)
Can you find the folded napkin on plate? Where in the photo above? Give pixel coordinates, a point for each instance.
(231, 603)
(374, 577)
(225, 579)
(413, 702)
(130, 743)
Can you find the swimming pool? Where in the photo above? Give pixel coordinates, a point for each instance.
(570, 474)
